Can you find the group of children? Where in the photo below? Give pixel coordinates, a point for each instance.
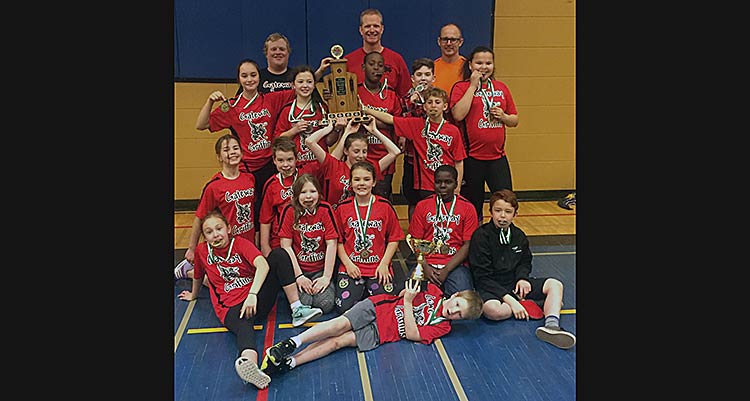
(328, 230)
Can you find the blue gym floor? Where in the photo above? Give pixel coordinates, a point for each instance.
(478, 360)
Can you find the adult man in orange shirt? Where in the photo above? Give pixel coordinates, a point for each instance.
(449, 66)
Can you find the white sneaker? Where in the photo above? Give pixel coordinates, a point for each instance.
(556, 336)
(180, 271)
(249, 373)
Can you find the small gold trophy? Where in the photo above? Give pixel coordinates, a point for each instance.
(421, 248)
(342, 85)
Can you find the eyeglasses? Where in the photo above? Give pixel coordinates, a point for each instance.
(449, 40)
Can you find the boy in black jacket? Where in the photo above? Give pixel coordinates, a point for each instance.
(500, 261)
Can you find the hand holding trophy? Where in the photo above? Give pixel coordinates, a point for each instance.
(340, 87)
(421, 248)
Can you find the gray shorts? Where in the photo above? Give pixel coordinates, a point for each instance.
(365, 326)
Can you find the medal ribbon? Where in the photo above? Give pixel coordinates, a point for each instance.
(488, 100)
(211, 252)
(292, 118)
(381, 94)
(281, 179)
(363, 227)
(427, 127)
(505, 239)
(432, 320)
(248, 103)
(440, 211)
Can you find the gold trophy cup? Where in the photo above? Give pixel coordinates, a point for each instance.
(342, 85)
(421, 248)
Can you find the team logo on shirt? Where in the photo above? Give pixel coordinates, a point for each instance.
(228, 273)
(257, 131)
(244, 218)
(243, 212)
(309, 244)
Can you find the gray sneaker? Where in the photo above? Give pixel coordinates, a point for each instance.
(556, 336)
(303, 313)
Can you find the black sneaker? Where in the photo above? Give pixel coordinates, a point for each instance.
(566, 201)
(277, 353)
(272, 369)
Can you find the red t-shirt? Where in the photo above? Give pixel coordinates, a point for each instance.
(396, 71)
(486, 139)
(454, 227)
(253, 123)
(277, 193)
(390, 104)
(309, 238)
(334, 178)
(382, 227)
(444, 147)
(305, 156)
(236, 200)
(389, 314)
(230, 275)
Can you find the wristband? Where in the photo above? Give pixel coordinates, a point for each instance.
(253, 293)
(300, 275)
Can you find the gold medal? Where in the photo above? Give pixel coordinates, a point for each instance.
(444, 249)
(224, 106)
(365, 254)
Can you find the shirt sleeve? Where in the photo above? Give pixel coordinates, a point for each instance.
(286, 221)
(457, 93)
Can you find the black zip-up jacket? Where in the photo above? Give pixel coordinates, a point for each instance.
(496, 267)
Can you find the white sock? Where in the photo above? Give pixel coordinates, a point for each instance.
(297, 341)
(296, 304)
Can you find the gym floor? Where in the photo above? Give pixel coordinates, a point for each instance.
(478, 360)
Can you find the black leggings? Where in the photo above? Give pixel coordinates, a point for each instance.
(496, 173)
(280, 274)
(349, 290)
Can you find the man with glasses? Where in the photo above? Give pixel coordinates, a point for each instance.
(449, 66)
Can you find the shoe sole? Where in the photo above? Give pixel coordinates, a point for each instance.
(249, 373)
(314, 315)
(560, 339)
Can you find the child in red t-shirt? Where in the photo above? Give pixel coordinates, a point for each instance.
(436, 141)
(369, 233)
(277, 191)
(417, 316)
(244, 287)
(308, 233)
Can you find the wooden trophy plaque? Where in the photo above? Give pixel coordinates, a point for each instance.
(342, 85)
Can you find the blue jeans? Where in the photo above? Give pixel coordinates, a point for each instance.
(458, 279)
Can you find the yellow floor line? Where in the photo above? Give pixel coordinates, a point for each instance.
(451, 372)
(366, 389)
(256, 327)
(289, 325)
(183, 324)
(281, 326)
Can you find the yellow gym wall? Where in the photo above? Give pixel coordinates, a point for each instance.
(534, 45)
